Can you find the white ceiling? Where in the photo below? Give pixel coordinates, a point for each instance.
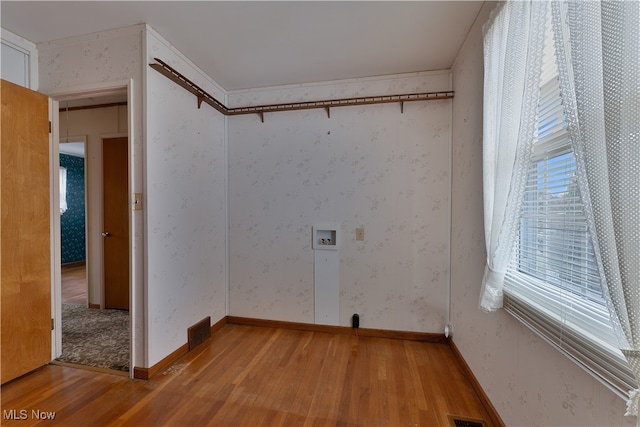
(246, 44)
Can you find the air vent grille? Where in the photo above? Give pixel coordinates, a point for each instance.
(199, 333)
(466, 422)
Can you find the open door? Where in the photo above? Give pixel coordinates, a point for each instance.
(25, 252)
(116, 222)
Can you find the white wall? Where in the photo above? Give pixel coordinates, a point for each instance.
(368, 166)
(185, 204)
(529, 382)
(19, 60)
(94, 124)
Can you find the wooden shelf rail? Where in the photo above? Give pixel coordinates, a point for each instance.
(173, 75)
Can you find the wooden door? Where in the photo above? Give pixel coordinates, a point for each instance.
(116, 222)
(25, 252)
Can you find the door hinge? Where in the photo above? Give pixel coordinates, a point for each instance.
(49, 127)
(53, 324)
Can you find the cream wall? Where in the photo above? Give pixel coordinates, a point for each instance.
(369, 166)
(177, 161)
(92, 125)
(94, 63)
(185, 167)
(529, 382)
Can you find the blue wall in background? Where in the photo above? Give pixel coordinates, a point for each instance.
(72, 222)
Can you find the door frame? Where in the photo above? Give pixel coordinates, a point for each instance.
(87, 91)
(56, 250)
(83, 140)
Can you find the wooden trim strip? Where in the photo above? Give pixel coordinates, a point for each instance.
(484, 399)
(147, 373)
(140, 373)
(90, 107)
(202, 96)
(90, 368)
(342, 330)
(218, 325)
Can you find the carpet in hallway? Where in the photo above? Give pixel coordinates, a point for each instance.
(92, 337)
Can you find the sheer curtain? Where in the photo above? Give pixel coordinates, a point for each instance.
(599, 67)
(63, 190)
(513, 49)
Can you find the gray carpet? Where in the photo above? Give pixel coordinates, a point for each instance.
(92, 337)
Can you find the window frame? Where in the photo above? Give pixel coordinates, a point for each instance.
(578, 327)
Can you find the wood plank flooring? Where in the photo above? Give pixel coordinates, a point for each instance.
(253, 376)
(74, 284)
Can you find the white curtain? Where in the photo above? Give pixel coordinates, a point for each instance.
(598, 45)
(513, 48)
(63, 190)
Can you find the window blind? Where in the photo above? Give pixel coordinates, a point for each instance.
(553, 284)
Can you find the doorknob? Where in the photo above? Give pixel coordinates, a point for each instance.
(106, 234)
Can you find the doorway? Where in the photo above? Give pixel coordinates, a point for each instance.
(73, 220)
(97, 120)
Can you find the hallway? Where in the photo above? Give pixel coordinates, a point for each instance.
(91, 337)
(74, 283)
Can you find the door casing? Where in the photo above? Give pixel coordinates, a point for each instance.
(96, 90)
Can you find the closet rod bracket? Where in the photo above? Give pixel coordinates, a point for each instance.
(173, 75)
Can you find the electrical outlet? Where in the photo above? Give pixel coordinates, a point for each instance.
(359, 233)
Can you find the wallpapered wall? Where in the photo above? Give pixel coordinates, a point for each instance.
(529, 382)
(107, 59)
(369, 166)
(180, 156)
(72, 221)
(185, 204)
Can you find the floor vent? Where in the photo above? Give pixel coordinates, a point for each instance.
(466, 422)
(198, 333)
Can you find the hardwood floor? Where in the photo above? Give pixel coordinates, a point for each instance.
(254, 376)
(74, 284)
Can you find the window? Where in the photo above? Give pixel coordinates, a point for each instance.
(63, 190)
(553, 283)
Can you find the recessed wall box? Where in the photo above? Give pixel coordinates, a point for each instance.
(326, 275)
(325, 237)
